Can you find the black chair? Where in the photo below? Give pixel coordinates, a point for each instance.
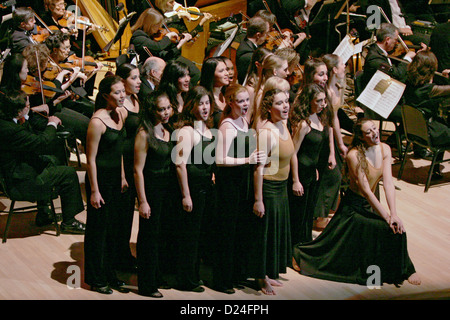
(417, 132)
(13, 209)
(370, 114)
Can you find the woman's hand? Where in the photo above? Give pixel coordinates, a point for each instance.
(258, 209)
(187, 204)
(297, 189)
(43, 108)
(124, 185)
(185, 38)
(257, 157)
(331, 162)
(206, 17)
(62, 97)
(144, 210)
(343, 148)
(396, 225)
(97, 200)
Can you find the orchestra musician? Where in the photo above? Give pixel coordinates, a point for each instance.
(257, 31)
(73, 120)
(56, 15)
(24, 27)
(149, 38)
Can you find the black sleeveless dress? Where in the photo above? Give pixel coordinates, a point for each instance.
(233, 215)
(159, 184)
(302, 208)
(124, 225)
(199, 168)
(100, 235)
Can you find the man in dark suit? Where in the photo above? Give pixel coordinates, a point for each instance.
(257, 31)
(27, 171)
(377, 55)
(151, 73)
(24, 28)
(377, 59)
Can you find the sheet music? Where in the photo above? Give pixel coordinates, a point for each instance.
(226, 43)
(346, 48)
(382, 94)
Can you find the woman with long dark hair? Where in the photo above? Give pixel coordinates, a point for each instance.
(310, 130)
(105, 180)
(363, 234)
(155, 181)
(214, 77)
(175, 81)
(129, 73)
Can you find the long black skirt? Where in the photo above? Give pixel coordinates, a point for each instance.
(356, 246)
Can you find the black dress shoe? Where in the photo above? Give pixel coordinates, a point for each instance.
(44, 216)
(423, 153)
(102, 290)
(119, 286)
(42, 220)
(75, 227)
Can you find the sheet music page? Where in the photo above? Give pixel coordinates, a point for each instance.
(345, 49)
(382, 94)
(360, 45)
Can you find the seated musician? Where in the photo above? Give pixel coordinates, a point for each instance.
(24, 27)
(257, 31)
(432, 99)
(68, 110)
(57, 15)
(394, 12)
(287, 42)
(149, 39)
(175, 17)
(30, 175)
(174, 14)
(59, 45)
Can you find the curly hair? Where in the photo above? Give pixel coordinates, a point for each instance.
(301, 108)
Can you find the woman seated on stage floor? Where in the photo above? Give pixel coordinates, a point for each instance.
(363, 233)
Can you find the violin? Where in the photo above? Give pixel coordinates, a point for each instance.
(194, 12)
(296, 75)
(165, 30)
(73, 61)
(32, 86)
(43, 33)
(68, 21)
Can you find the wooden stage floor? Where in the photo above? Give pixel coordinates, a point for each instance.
(34, 262)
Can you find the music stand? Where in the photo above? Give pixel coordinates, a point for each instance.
(329, 8)
(120, 30)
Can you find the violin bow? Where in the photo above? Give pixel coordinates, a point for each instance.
(40, 77)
